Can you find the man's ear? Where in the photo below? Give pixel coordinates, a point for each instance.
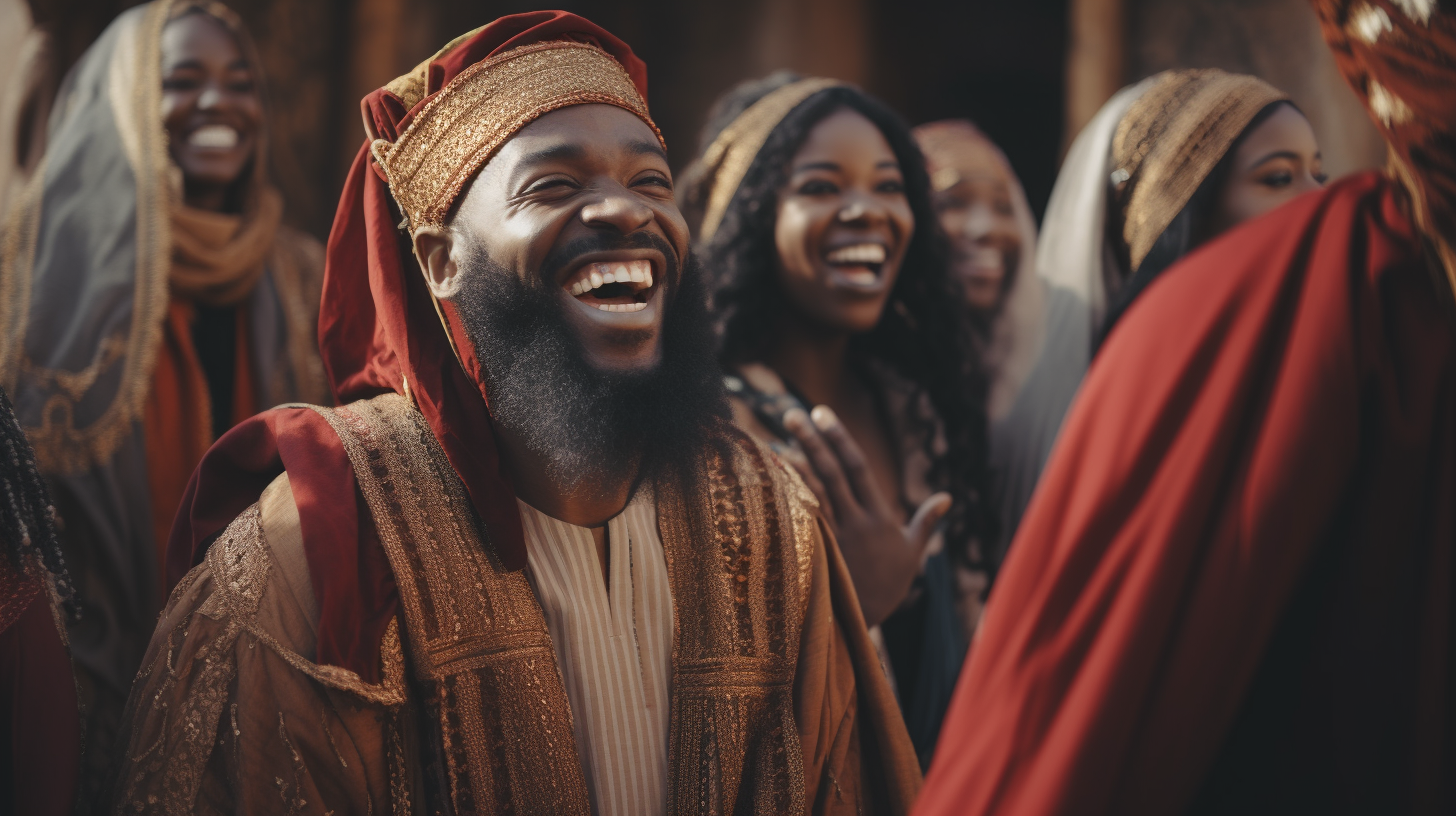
(434, 249)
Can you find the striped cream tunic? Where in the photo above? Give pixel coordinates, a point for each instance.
(614, 649)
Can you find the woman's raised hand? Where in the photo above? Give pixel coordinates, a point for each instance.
(883, 557)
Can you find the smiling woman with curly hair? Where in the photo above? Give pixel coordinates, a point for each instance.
(831, 289)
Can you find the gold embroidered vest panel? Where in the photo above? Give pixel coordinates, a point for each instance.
(739, 538)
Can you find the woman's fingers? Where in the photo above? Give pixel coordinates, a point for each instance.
(826, 463)
(920, 533)
(851, 458)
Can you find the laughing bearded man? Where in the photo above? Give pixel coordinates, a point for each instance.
(529, 566)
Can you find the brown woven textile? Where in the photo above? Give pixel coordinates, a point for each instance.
(778, 703)
(1171, 139)
(1400, 57)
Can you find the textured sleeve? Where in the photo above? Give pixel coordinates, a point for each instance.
(857, 754)
(229, 714)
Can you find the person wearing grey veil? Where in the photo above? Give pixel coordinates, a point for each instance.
(1164, 166)
(149, 299)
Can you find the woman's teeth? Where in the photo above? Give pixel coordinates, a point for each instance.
(857, 254)
(216, 137)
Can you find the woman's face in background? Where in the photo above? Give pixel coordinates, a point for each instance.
(210, 103)
(1275, 162)
(972, 194)
(843, 224)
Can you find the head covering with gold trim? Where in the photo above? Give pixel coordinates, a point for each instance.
(428, 133)
(727, 159)
(1400, 57)
(1171, 139)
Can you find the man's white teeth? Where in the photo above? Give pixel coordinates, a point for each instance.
(621, 307)
(858, 253)
(218, 137)
(637, 273)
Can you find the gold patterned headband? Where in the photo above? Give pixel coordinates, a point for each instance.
(458, 131)
(1170, 140)
(730, 155)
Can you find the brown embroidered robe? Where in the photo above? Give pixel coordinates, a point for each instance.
(778, 704)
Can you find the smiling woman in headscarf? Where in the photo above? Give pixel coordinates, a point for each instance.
(1164, 167)
(151, 299)
(983, 210)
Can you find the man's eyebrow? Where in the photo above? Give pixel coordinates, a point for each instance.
(819, 165)
(644, 147)
(565, 151)
(192, 64)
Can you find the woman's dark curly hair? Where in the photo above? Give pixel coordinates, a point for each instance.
(923, 335)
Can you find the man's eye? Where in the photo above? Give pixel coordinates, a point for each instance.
(241, 86)
(551, 185)
(656, 181)
(890, 187)
(180, 84)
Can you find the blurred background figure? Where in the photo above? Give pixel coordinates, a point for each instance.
(983, 210)
(25, 96)
(1165, 166)
(831, 288)
(40, 725)
(166, 302)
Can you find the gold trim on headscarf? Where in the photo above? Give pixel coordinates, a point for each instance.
(1171, 139)
(730, 155)
(458, 131)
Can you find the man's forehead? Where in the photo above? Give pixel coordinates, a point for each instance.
(576, 133)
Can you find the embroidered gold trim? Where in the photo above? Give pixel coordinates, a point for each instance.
(1171, 139)
(458, 130)
(732, 153)
(17, 267)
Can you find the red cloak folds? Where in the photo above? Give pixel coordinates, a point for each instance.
(378, 330)
(1233, 588)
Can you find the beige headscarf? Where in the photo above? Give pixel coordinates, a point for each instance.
(1170, 140)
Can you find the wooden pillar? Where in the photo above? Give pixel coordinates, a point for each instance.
(1097, 60)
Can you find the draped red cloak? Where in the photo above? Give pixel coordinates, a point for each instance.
(378, 332)
(1232, 591)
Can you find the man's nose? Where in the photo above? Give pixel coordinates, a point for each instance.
(617, 209)
(210, 98)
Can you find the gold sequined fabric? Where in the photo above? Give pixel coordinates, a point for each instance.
(730, 155)
(457, 131)
(1171, 139)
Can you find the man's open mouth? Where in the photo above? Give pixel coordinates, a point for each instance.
(621, 286)
(860, 264)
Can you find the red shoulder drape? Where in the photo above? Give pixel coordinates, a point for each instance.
(1264, 452)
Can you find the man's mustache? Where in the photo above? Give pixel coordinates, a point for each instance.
(566, 254)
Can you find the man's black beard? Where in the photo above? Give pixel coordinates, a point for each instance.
(587, 424)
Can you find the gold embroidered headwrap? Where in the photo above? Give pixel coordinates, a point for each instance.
(457, 131)
(1171, 139)
(730, 155)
